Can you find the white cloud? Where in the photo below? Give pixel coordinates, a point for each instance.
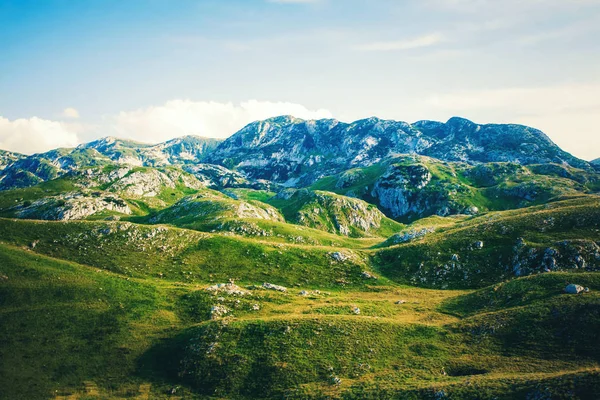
(568, 113)
(70, 112)
(422, 41)
(210, 119)
(35, 135)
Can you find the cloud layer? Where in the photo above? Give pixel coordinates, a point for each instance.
(152, 124)
(210, 119)
(70, 112)
(34, 135)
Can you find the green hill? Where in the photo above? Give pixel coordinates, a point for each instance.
(409, 278)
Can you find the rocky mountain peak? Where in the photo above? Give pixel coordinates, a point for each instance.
(297, 152)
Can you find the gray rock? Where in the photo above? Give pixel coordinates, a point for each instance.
(271, 286)
(339, 256)
(368, 275)
(574, 289)
(409, 236)
(218, 311)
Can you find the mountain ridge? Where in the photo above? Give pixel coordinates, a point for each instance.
(295, 152)
(284, 149)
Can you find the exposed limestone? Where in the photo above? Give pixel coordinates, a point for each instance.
(409, 236)
(72, 206)
(228, 288)
(271, 286)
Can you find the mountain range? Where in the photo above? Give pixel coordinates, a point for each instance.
(295, 153)
(303, 260)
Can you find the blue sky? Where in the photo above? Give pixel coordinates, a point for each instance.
(72, 71)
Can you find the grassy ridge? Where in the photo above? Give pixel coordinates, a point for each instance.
(181, 255)
(513, 243)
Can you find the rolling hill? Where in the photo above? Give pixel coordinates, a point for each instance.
(303, 260)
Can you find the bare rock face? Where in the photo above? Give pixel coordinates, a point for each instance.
(73, 206)
(333, 213)
(295, 152)
(219, 177)
(8, 157)
(399, 188)
(409, 236)
(133, 182)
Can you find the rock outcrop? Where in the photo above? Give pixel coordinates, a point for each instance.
(296, 152)
(72, 206)
(331, 212)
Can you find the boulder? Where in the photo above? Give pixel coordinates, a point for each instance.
(271, 286)
(339, 256)
(368, 275)
(575, 289)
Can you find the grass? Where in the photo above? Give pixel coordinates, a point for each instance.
(489, 187)
(514, 243)
(67, 325)
(118, 309)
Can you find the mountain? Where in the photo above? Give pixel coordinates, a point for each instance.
(29, 170)
(183, 150)
(425, 261)
(8, 157)
(411, 187)
(296, 152)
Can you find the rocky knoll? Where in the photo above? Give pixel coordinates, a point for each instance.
(209, 207)
(72, 206)
(135, 181)
(330, 212)
(27, 171)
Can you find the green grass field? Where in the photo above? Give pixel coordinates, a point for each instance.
(471, 307)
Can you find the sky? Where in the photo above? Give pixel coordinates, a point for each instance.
(72, 71)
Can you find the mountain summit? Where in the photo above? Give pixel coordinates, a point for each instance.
(297, 152)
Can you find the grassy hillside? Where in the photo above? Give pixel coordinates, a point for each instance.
(80, 332)
(172, 291)
(434, 187)
(186, 256)
(563, 235)
(334, 213)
